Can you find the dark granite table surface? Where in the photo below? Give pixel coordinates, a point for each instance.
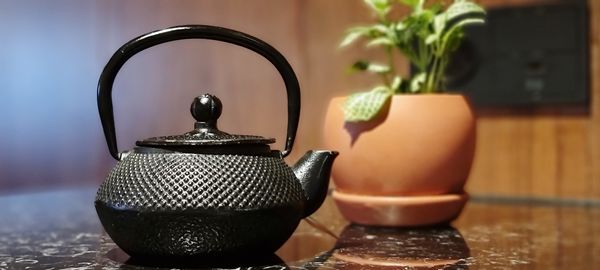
(60, 230)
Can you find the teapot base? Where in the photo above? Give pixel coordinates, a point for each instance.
(205, 263)
(207, 234)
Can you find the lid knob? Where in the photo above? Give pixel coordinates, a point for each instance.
(206, 109)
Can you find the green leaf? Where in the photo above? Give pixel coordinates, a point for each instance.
(419, 26)
(439, 23)
(373, 31)
(378, 28)
(365, 106)
(417, 82)
(350, 38)
(363, 65)
(431, 39)
(360, 65)
(460, 8)
(359, 29)
(436, 7)
(397, 84)
(381, 7)
(416, 5)
(379, 69)
(467, 21)
(355, 33)
(377, 4)
(380, 41)
(457, 27)
(411, 3)
(453, 36)
(400, 26)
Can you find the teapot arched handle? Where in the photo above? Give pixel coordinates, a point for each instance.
(107, 78)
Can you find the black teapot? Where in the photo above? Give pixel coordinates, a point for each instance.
(206, 192)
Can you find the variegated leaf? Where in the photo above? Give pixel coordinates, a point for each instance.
(460, 8)
(365, 106)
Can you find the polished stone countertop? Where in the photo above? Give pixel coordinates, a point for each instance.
(60, 230)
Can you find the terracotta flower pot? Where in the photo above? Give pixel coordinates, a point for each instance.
(407, 167)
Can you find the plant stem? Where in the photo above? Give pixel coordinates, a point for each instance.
(430, 79)
(440, 74)
(420, 56)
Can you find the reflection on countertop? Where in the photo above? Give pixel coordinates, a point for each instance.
(392, 247)
(60, 230)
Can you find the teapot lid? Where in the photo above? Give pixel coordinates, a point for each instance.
(206, 109)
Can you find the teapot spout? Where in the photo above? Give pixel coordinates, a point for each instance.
(313, 171)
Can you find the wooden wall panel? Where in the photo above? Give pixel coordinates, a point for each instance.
(59, 141)
(542, 153)
(594, 126)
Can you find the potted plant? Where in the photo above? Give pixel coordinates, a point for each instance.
(406, 146)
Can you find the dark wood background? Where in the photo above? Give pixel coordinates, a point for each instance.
(52, 52)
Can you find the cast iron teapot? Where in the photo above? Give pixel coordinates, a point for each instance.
(206, 192)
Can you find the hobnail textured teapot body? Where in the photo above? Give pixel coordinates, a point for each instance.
(240, 203)
(172, 181)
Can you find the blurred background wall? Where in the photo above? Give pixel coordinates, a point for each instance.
(52, 52)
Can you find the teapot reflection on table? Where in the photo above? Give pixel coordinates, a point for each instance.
(206, 192)
(365, 247)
